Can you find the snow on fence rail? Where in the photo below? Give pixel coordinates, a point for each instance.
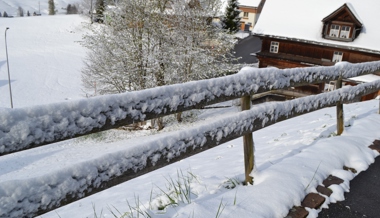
(18, 199)
(25, 128)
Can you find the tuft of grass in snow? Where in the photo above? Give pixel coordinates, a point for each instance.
(178, 190)
(231, 183)
(235, 197)
(95, 214)
(137, 211)
(333, 134)
(315, 172)
(220, 209)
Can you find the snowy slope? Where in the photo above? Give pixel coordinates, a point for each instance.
(11, 6)
(45, 59)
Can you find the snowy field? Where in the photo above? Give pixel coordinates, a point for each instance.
(45, 59)
(292, 157)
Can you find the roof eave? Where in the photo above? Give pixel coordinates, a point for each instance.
(319, 43)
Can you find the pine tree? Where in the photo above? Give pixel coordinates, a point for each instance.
(68, 9)
(0, 14)
(20, 11)
(28, 14)
(71, 9)
(99, 7)
(231, 19)
(74, 9)
(51, 7)
(5, 14)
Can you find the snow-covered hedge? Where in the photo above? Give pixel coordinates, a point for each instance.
(23, 128)
(26, 198)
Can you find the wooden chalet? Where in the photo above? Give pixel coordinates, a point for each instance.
(301, 33)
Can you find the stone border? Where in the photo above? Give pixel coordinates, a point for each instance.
(315, 200)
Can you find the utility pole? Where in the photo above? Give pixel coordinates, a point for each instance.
(9, 75)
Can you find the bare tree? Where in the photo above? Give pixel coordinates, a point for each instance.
(145, 44)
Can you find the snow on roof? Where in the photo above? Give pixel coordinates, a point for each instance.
(250, 3)
(302, 20)
(366, 78)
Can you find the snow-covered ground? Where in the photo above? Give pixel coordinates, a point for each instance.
(45, 59)
(292, 157)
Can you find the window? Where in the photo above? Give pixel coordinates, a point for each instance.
(338, 56)
(345, 32)
(338, 31)
(274, 47)
(245, 14)
(334, 31)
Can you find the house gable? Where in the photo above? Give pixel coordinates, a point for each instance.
(342, 25)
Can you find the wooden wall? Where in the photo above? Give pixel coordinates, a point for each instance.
(318, 51)
(297, 54)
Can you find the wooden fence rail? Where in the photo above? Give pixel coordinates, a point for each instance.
(55, 121)
(179, 145)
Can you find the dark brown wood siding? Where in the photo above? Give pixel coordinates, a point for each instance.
(316, 52)
(298, 54)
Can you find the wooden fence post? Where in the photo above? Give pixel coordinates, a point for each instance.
(248, 144)
(339, 110)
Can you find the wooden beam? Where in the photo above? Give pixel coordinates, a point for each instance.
(127, 105)
(248, 144)
(339, 110)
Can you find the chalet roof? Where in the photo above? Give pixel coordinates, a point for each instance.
(348, 7)
(301, 20)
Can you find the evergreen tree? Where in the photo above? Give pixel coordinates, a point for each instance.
(68, 9)
(51, 7)
(71, 9)
(99, 7)
(28, 14)
(231, 19)
(5, 14)
(74, 9)
(20, 12)
(0, 14)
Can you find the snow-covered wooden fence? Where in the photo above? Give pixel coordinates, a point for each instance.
(25, 128)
